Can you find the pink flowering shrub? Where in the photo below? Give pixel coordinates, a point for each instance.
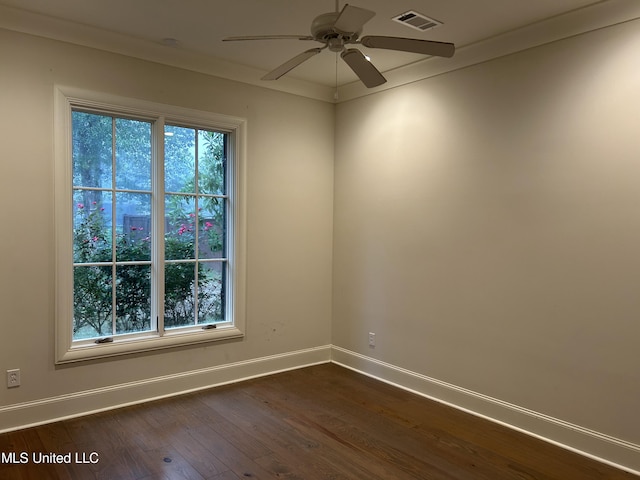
(94, 282)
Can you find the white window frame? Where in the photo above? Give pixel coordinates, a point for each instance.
(67, 98)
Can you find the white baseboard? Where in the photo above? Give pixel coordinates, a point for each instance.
(604, 448)
(47, 410)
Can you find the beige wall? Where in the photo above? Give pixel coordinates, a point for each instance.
(289, 213)
(486, 228)
(483, 223)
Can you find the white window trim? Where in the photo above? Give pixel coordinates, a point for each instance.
(67, 351)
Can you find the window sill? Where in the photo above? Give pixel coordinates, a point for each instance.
(125, 346)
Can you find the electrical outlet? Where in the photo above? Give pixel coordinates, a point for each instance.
(372, 339)
(13, 378)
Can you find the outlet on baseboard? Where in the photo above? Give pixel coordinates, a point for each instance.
(372, 339)
(13, 378)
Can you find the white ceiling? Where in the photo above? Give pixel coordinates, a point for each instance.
(200, 25)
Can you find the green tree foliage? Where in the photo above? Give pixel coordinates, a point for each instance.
(99, 283)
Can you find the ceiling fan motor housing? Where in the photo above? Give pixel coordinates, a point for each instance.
(322, 30)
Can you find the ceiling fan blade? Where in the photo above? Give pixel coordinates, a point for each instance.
(291, 64)
(363, 68)
(267, 37)
(351, 19)
(425, 47)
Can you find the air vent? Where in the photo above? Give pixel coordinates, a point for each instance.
(416, 20)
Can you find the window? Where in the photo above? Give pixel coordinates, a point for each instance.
(149, 226)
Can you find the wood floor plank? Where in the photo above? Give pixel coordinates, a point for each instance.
(429, 445)
(169, 463)
(295, 455)
(317, 423)
(27, 441)
(372, 433)
(199, 456)
(233, 458)
(309, 412)
(228, 475)
(363, 434)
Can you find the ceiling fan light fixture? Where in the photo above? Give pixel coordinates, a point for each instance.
(335, 44)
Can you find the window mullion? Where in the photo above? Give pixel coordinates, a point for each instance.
(158, 224)
(196, 246)
(114, 278)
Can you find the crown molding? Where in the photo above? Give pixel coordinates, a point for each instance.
(583, 20)
(593, 17)
(62, 30)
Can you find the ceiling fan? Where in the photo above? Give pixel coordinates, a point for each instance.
(341, 28)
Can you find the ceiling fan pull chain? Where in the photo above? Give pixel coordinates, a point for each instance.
(335, 94)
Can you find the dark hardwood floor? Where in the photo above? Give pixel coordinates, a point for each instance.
(322, 422)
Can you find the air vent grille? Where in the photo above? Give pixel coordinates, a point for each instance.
(416, 20)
